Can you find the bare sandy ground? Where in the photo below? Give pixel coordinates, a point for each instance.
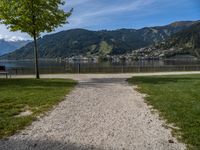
(102, 113)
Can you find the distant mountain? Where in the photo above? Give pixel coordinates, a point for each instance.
(10, 46)
(84, 42)
(183, 24)
(186, 41)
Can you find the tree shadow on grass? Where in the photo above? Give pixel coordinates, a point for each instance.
(34, 83)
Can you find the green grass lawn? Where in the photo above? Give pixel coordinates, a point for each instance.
(177, 98)
(20, 95)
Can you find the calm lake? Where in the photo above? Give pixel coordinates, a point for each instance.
(52, 66)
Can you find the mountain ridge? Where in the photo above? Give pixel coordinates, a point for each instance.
(186, 41)
(91, 43)
(10, 46)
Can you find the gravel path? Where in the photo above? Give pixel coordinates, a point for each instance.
(103, 112)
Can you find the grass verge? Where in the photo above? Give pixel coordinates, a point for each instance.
(21, 95)
(177, 98)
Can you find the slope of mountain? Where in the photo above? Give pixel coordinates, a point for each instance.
(10, 46)
(84, 42)
(184, 42)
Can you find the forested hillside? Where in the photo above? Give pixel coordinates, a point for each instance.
(89, 43)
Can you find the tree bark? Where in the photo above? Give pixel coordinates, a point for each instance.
(36, 58)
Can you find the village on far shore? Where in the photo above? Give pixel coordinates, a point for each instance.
(147, 53)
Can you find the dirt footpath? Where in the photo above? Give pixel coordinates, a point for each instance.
(102, 113)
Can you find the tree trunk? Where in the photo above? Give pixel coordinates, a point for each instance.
(36, 58)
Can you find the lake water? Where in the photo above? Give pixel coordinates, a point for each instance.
(50, 66)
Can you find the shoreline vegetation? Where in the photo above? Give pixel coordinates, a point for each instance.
(23, 100)
(177, 99)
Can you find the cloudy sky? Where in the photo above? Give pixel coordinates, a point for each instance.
(115, 14)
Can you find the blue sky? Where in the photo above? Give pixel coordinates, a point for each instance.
(115, 14)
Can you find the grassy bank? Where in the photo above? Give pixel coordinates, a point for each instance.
(178, 100)
(19, 96)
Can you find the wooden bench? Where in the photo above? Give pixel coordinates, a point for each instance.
(3, 71)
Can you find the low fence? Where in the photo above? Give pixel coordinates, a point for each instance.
(109, 69)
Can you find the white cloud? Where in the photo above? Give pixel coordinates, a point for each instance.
(12, 38)
(97, 13)
(16, 38)
(87, 14)
(138, 4)
(105, 14)
(71, 3)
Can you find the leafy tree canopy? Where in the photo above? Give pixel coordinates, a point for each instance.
(32, 16)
